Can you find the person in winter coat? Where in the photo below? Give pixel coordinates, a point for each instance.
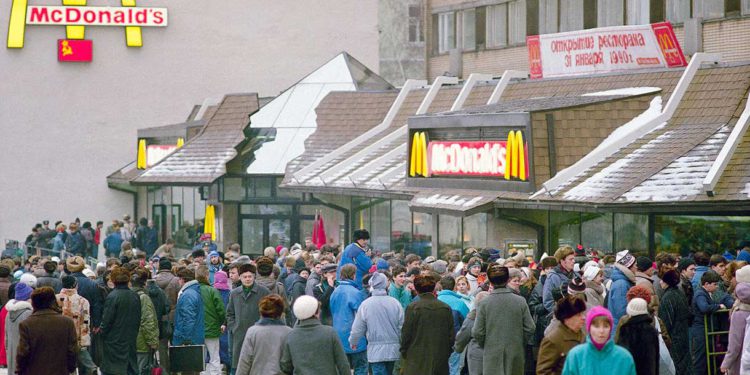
(427, 335)
(76, 308)
(640, 338)
(170, 284)
(745, 360)
(214, 264)
(264, 341)
(49, 279)
(399, 287)
(536, 304)
(623, 278)
(58, 243)
(686, 268)
(702, 261)
(189, 316)
(345, 301)
(147, 341)
(503, 326)
(599, 354)
(322, 292)
(221, 283)
(356, 254)
(571, 311)
(18, 310)
(379, 318)
(703, 304)
(312, 348)
(316, 274)
(113, 244)
(75, 243)
(120, 324)
(674, 311)
(242, 311)
(737, 322)
(595, 293)
(214, 317)
(299, 284)
(560, 275)
(473, 270)
(466, 344)
(644, 277)
(459, 309)
(48, 340)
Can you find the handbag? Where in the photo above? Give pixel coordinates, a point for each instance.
(155, 369)
(187, 358)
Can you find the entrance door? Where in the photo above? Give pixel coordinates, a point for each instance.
(159, 216)
(252, 236)
(260, 231)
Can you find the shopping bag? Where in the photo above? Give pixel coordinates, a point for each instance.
(155, 370)
(187, 358)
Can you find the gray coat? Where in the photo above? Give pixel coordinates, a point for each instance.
(18, 311)
(380, 317)
(313, 349)
(242, 313)
(498, 318)
(468, 346)
(261, 350)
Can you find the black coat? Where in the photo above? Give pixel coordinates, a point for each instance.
(641, 339)
(674, 311)
(120, 324)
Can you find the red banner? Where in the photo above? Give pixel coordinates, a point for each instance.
(670, 47)
(75, 50)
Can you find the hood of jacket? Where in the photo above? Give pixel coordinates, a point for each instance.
(267, 281)
(190, 284)
(743, 292)
(623, 273)
(17, 308)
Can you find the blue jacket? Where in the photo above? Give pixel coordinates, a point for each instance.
(618, 303)
(189, 320)
(58, 244)
(345, 301)
(455, 301)
(699, 271)
(703, 305)
(353, 254)
(113, 243)
(75, 243)
(555, 280)
(586, 359)
(403, 295)
(744, 255)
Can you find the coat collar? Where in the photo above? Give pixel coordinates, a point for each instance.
(503, 290)
(45, 312)
(311, 322)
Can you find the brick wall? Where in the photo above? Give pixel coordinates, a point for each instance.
(728, 38)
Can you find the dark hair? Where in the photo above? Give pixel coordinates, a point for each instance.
(198, 253)
(717, 259)
(246, 267)
(701, 259)
(411, 258)
(271, 306)
(186, 274)
(671, 277)
(448, 282)
(665, 258)
(498, 275)
(140, 276)
(361, 234)
(143, 221)
(50, 266)
(69, 282)
(549, 262)
(169, 241)
(710, 277)
(568, 307)
(43, 298)
(99, 223)
(397, 269)
(264, 265)
(424, 283)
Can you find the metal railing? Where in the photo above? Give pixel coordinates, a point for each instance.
(717, 339)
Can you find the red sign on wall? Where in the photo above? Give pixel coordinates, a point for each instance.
(477, 158)
(69, 50)
(670, 47)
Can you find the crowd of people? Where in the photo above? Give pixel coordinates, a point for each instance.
(303, 310)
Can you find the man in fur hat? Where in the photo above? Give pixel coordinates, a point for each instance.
(120, 323)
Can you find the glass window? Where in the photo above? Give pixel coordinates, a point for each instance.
(497, 25)
(449, 234)
(685, 234)
(565, 229)
(548, 16)
(571, 15)
(446, 32)
(637, 12)
(596, 232)
(678, 11)
(380, 229)
(631, 232)
(234, 189)
(475, 230)
(708, 9)
(517, 22)
(745, 7)
(252, 236)
(422, 243)
(265, 209)
(611, 13)
(333, 220)
(400, 226)
(416, 33)
(468, 29)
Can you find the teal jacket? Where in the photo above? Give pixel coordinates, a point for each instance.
(215, 313)
(455, 301)
(586, 359)
(401, 294)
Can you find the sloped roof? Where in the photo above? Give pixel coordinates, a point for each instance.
(203, 158)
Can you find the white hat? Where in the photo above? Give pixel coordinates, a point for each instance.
(55, 259)
(590, 272)
(305, 307)
(500, 261)
(543, 256)
(637, 306)
(625, 258)
(88, 273)
(743, 274)
(28, 279)
(590, 263)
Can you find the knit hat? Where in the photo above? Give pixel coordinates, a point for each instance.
(23, 292)
(625, 258)
(305, 307)
(430, 259)
(638, 291)
(382, 264)
(439, 266)
(596, 312)
(17, 275)
(580, 251)
(165, 264)
(590, 273)
(545, 255)
(672, 278)
(576, 286)
(88, 273)
(378, 281)
(590, 264)
(743, 274)
(75, 264)
(643, 264)
(213, 254)
(637, 306)
(28, 279)
(68, 282)
(220, 281)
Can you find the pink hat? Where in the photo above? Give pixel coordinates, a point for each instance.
(595, 313)
(220, 281)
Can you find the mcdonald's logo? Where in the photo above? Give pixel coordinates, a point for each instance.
(418, 160)
(515, 156)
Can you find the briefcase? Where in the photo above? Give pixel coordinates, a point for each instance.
(187, 358)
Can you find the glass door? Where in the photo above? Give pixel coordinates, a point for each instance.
(252, 236)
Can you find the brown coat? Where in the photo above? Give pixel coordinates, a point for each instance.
(555, 348)
(48, 344)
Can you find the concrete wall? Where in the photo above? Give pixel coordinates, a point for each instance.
(399, 59)
(67, 126)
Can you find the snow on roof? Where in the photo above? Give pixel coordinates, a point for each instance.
(625, 91)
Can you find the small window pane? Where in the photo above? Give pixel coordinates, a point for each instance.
(565, 229)
(475, 231)
(415, 24)
(234, 190)
(571, 15)
(611, 13)
(678, 11)
(631, 232)
(380, 231)
(265, 209)
(468, 30)
(596, 231)
(447, 32)
(422, 242)
(400, 226)
(708, 9)
(517, 21)
(449, 234)
(497, 26)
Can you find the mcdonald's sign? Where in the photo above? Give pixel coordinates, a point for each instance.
(499, 159)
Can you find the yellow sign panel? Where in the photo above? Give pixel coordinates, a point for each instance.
(515, 156)
(418, 162)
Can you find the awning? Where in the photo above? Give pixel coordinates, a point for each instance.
(452, 202)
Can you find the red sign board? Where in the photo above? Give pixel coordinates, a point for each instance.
(473, 158)
(669, 45)
(69, 50)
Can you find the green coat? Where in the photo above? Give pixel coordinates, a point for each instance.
(148, 333)
(214, 313)
(119, 329)
(427, 337)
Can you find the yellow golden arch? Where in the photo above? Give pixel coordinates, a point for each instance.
(418, 161)
(515, 156)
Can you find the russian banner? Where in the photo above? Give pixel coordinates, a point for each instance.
(69, 50)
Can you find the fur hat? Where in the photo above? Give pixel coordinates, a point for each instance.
(305, 307)
(625, 258)
(637, 306)
(743, 274)
(247, 267)
(119, 275)
(568, 307)
(264, 265)
(75, 264)
(164, 264)
(23, 292)
(439, 266)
